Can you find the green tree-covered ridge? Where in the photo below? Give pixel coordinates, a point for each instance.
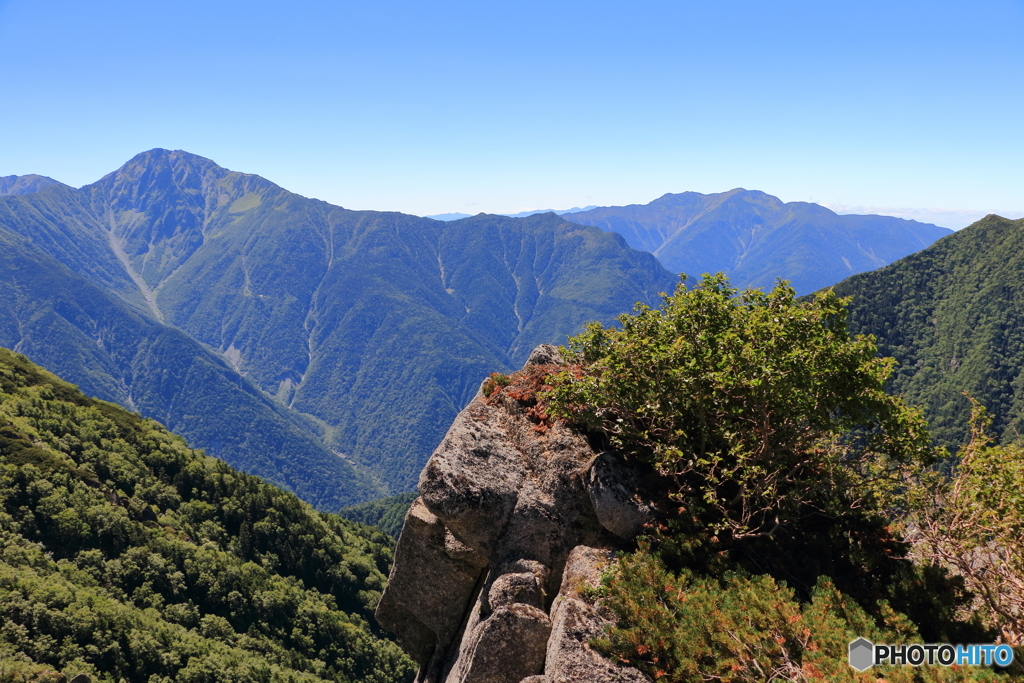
(953, 318)
(129, 556)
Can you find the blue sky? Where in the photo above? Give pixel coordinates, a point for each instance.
(499, 107)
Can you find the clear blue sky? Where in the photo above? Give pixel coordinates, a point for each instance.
(430, 107)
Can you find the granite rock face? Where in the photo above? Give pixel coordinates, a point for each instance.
(507, 647)
(450, 569)
(506, 532)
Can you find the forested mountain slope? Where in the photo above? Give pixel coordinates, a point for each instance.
(126, 555)
(370, 330)
(953, 316)
(755, 238)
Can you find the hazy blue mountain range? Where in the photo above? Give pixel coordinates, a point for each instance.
(25, 184)
(219, 302)
(756, 238)
(521, 214)
(953, 316)
(449, 216)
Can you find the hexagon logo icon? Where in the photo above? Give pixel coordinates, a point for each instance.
(862, 654)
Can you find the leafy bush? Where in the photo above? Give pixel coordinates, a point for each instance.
(973, 523)
(759, 407)
(781, 451)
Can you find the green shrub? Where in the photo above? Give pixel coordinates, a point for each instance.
(495, 382)
(973, 524)
(683, 627)
(759, 407)
(781, 452)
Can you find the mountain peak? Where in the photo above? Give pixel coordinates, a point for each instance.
(160, 202)
(159, 169)
(162, 166)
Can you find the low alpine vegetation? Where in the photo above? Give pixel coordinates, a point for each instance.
(973, 524)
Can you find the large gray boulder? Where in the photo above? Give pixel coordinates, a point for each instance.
(492, 554)
(472, 480)
(575, 622)
(506, 647)
(510, 491)
(569, 657)
(521, 587)
(427, 601)
(545, 354)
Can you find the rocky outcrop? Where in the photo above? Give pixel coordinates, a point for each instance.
(575, 622)
(515, 518)
(451, 569)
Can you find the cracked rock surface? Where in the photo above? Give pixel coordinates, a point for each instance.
(512, 522)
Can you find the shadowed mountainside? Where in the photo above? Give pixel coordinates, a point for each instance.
(116, 352)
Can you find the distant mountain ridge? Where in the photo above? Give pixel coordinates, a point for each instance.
(171, 280)
(25, 184)
(522, 214)
(755, 237)
(324, 349)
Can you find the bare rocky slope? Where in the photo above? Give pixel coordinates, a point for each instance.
(516, 519)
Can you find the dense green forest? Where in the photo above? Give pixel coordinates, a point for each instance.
(386, 513)
(126, 555)
(953, 317)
